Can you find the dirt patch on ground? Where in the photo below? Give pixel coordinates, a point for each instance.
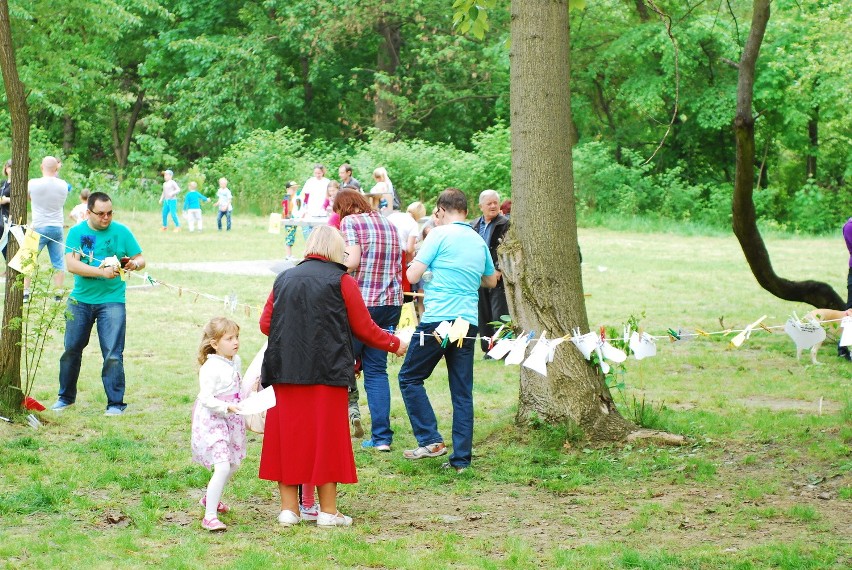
(676, 513)
(782, 404)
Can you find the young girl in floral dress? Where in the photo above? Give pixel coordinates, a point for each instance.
(218, 433)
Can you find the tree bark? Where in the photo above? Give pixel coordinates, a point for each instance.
(10, 341)
(69, 133)
(539, 259)
(815, 293)
(387, 88)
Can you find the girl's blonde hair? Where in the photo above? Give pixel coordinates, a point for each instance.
(213, 331)
(327, 242)
(417, 210)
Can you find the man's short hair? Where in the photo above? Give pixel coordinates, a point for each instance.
(485, 194)
(346, 167)
(453, 200)
(97, 197)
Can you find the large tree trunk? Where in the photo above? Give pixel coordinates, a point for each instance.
(10, 349)
(387, 86)
(540, 258)
(814, 293)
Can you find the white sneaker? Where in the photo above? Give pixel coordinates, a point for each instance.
(309, 513)
(288, 518)
(327, 520)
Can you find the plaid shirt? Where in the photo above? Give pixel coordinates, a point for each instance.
(379, 274)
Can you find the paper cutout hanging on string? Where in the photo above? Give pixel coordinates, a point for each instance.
(738, 340)
(539, 355)
(275, 223)
(519, 349)
(25, 259)
(804, 334)
(502, 348)
(4, 237)
(846, 337)
(408, 317)
(642, 346)
(611, 353)
(458, 330)
(585, 343)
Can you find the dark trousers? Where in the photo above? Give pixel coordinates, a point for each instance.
(843, 351)
(492, 306)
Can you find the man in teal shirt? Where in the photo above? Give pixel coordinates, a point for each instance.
(98, 297)
(458, 264)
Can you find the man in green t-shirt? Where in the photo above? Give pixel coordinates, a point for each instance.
(97, 297)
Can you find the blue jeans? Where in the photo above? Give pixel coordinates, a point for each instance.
(419, 363)
(53, 239)
(220, 215)
(374, 363)
(112, 321)
(170, 209)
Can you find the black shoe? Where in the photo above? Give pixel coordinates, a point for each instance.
(26, 297)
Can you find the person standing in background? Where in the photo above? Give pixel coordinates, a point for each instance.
(224, 203)
(491, 226)
(47, 196)
(843, 351)
(169, 200)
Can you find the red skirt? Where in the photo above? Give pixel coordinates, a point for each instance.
(306, 439)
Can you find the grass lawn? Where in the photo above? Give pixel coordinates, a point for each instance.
(766, 481)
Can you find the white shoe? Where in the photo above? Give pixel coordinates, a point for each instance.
(288, 518)
(328, 520)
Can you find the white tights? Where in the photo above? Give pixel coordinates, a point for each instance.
(221, 475)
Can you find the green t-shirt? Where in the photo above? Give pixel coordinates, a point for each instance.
(94, 246)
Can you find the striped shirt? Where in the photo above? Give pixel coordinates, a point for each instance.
(379, 273)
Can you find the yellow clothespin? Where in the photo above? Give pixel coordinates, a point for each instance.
(738, 340)
(701, 332)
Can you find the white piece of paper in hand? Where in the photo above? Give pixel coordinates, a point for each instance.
(404, 335)
(258, 402)
(846, 337)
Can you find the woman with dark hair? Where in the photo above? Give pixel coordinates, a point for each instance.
(311, 315)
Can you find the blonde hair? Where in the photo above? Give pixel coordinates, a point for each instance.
(213, 331)
(417, 210)
(327, 242)
(382, 174)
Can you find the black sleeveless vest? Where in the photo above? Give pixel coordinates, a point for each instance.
(310, 341)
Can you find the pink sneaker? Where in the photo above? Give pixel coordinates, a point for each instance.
(220, 508)
(213, 525)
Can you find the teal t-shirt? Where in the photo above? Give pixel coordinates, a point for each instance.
(94, 246)
(458, 258)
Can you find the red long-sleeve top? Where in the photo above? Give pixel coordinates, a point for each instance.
(360, 322)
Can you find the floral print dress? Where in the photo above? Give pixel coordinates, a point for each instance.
(217, 434)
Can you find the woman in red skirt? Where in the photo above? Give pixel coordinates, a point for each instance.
(310, 317)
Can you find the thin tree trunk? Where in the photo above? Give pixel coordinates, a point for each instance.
(121, 143)
(540, 258)
(387, 87)
(10, 349)
(307, 86)
(815, 293)
(813, 137)
(69, 133)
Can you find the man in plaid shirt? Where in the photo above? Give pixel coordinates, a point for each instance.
(374, 256)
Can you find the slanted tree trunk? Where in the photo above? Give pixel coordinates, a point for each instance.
(540, 258)
(815, 293)
(387, 87)
(121, 141)
(10, 349)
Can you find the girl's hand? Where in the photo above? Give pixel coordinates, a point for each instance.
(234, 408)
